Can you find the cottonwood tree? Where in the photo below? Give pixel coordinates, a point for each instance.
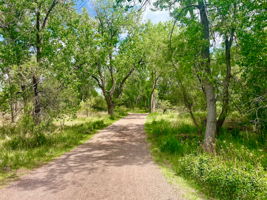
(184, 56)
(155, 46)
(251, 56)
(34, 30)
(116, 54)
(14, 51)
(42, 12)
(223, 16)
(187, 12)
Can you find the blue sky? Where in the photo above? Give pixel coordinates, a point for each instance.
(154, 16)
(85, 4)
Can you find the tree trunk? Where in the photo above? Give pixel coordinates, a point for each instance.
(35, 79)
(152, 94)
(111, 107)
(152, 102)
(12, 111)
(110, 103)
(189, 105)
(24, 97)
(210, 133)
(11, 102)
(226, 83)
(37, 104)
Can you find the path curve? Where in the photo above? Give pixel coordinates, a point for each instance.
(114, 165)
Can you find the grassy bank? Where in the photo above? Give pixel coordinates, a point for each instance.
(21, 152)
(237, 171)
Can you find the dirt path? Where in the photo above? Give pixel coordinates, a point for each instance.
(114, 165)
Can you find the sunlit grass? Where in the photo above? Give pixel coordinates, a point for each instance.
(236, 171)
(27, 151)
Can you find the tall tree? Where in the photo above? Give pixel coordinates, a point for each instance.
(117, 55)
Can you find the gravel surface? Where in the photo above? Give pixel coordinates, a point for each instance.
(114, 165)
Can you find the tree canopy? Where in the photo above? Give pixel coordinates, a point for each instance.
(210, 58)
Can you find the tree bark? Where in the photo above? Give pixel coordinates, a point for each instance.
(35, 79)
(37, 105)
(152, 102)
(152, 94)
(226, 83)
(111, 106)
(12, 111)
(40, 25)
(210, 133)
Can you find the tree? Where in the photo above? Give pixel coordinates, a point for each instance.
(14, 50)
(155, 38)
(252, 59)
(185, 14)
(116, 56)
(33, 56)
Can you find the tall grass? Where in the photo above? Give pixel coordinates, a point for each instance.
(237, 171)
(19, 151)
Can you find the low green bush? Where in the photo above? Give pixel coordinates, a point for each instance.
(224, 180)
(237, 171)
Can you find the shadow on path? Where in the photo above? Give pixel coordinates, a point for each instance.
(118, 145)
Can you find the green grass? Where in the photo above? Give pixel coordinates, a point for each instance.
(186, 188)
(28, 151)
(237, 171)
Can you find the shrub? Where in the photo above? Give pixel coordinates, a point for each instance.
(236, 172)
(222, 179)
(98, 124)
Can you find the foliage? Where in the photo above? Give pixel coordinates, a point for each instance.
(209, 61)
(222, 180)
(237, 171)
(28, 151)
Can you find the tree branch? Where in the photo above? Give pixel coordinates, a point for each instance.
(52, 6)
(119, 89)
(98, 81)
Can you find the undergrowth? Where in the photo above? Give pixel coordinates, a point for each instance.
(237, 171)
(30, 150)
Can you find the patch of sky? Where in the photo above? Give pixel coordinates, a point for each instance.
(148, 15)
(87, 4)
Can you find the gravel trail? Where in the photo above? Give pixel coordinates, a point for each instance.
(114, 165)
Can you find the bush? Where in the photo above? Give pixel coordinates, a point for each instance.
(222, 179)
(236, 172)
(98, 124)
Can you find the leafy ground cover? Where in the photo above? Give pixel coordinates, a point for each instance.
(237, 171)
